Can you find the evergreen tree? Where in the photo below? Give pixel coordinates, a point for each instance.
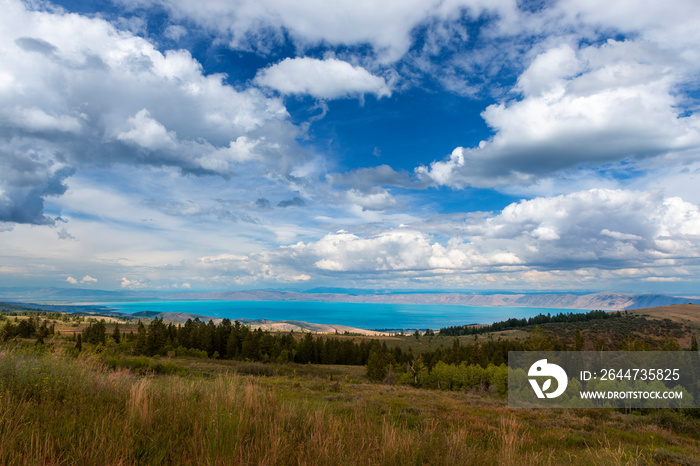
(116, 335)
(232, 344)
(693, 343)
(79, 343)
(376, 366)
(156, 337)
(141, 339)
(96, 333)
(305, 352)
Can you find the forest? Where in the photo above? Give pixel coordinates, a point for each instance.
(539, 319)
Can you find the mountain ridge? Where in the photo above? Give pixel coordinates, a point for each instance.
(606, 300)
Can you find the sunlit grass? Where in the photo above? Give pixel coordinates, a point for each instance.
(56, 409)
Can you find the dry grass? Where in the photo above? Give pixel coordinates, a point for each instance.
(510, 440)
(138, 405)
(55, 410)
(684, 313)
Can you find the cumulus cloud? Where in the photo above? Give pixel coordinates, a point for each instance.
(325, 79)
(589, 230)
(672, 28)
(131, 283)
(29, 172)
(76, 92)
(593, 106)
(148, 133)
(386, 26)
(376, 199)
(364, 186)
(595, 228)
(87, 279)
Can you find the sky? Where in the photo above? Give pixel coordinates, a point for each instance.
(406, 144)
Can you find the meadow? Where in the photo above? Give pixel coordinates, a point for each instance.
(98, 406)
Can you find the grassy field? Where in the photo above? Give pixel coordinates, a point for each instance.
(59, 409)
(58, 406)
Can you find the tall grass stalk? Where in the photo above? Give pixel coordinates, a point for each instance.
(59, 410)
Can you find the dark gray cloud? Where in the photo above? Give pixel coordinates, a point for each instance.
(31, 44)
(26, 178)
(296, 201)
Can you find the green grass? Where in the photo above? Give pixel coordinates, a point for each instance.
(58, 409)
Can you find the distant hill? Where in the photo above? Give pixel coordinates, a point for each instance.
(609, 301)
(73, 294)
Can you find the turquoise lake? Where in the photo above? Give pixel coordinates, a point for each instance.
(359, 315)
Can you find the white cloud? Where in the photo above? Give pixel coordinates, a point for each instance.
(72, 280)
(386, 25)
(602, 105)
(595, 228)
(77, 92)
(88, 279)
(325, 79)
(175, 32)
(582, 231)
(620, 236)
(147, 132)
(377, 199)
(131, 284)
(34, 119)
(673, 28)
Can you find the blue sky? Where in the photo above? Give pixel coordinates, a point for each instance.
(415, 144)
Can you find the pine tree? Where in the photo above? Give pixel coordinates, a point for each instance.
(376, 366)
(79, 343)
(693, 343)
(116, 335)
(232, 345)
(141, 346)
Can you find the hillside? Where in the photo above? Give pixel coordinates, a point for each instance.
(683, 313)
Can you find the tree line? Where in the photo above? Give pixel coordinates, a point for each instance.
(32, 327)
(229, 340)
(539, 319)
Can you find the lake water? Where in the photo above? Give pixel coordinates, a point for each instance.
(359, 315)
